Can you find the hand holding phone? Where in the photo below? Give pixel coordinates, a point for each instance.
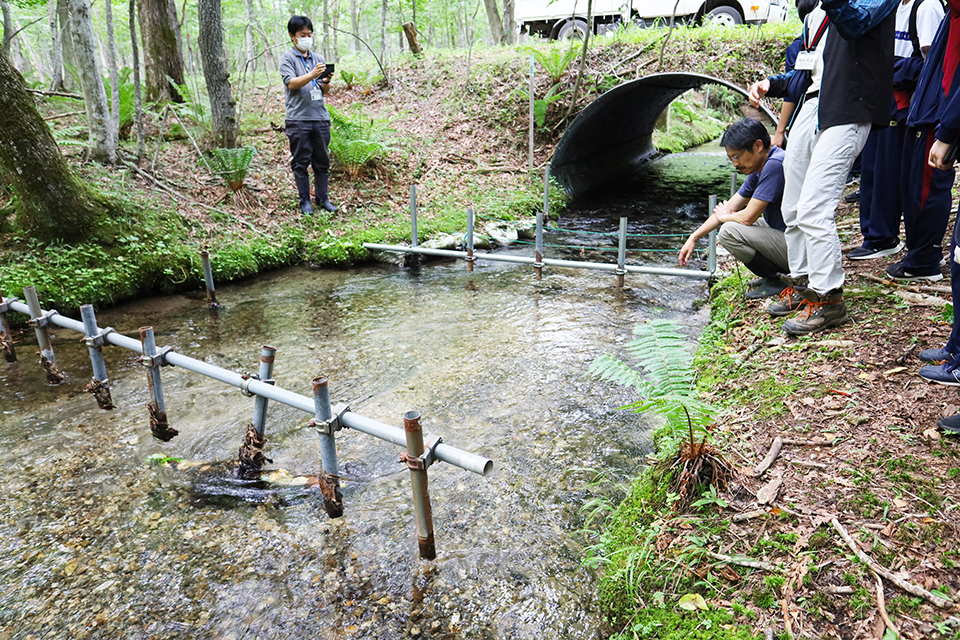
(327, 71)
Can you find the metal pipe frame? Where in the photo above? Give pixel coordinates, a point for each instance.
(712, 236)
(267, 356)
(208, 277)
(622, 252)
(324, 416)
(574, 264)
(39, 320)
(418, 480)
(414, 237)
(470, 223)
(451, 455)
(101, 384)
(538, 251)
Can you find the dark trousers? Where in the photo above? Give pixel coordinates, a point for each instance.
(926, 200)
(880, 203)
(308, 146)
(953, 345)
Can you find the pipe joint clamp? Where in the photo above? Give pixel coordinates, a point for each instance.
(99, 340)
(5, 304)
(334, 424)
(246, 379)
(159, 359)
(620, 271)
(43, 320)
(425, 459)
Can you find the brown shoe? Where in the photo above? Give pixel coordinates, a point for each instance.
(820, 312)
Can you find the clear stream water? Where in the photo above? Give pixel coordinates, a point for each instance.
(97, 543)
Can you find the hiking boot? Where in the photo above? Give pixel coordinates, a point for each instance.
(819, 312)
(767, 288)
(936, 356)
(305, 207)
(791, 298)
(323, 192)
(869, 253)
(303, 190)
(901, 271)
(950, 425)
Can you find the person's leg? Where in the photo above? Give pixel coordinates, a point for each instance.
(833, 154)
(320, 135)
(926, 209)
(300, 151)
(868, 161)
(795, 165)
(746, 242)
(880, 202)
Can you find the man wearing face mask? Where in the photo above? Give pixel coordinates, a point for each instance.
(307, 123)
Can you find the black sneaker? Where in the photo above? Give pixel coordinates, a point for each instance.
(950, 425)
(852, 197)
(768, 288)
(936, 356)
(869, 253)
(900, 271)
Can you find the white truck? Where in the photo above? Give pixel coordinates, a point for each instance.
(561, 19)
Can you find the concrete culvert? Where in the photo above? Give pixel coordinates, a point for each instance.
(612, 136)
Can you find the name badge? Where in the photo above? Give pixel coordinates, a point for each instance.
(316, 94)
(806, 61)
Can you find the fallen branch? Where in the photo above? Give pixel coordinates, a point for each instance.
(65, 115)
(842, 590)
(810, 443)
(882, 607)
(771, 457)
(912, 589)
(59, 94)
(743, 562)
(906, 353)
(893, 283)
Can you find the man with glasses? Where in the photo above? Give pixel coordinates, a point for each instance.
(751, 225)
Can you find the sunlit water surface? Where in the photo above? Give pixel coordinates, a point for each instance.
(97, 543)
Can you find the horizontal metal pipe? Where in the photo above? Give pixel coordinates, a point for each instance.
(451, 455)
(575, 264)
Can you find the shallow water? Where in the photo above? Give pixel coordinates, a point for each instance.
(95, 542)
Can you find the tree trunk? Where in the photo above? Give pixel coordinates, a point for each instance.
(336, 27)
(509, 24)
(355, 25)
(249, 34)
(112, 62)
(56, 52)
(326, 31)
(138, 105)
(383, 40)
(493, 18)
(103, 139)
(162, 49)
(32, 59)
(410, 30)
(223, 113)
(51, 203)
(66, 46)
(8, 30)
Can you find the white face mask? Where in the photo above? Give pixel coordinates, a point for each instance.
(304, 44)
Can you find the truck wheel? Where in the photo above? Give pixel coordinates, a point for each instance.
(724, 16)
(575, 28)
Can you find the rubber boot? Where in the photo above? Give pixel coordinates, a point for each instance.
(303, 189)
(820, 312)
(323, 194)
(791, 298)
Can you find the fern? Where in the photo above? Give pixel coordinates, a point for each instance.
(555, 59)
(232, 165)
(358, 140)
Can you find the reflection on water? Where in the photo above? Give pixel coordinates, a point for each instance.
(95, 542)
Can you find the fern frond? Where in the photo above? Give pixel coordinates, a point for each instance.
(606, 367)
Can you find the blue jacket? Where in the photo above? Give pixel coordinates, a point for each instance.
(929, 105)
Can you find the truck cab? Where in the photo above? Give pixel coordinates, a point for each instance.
(561, 19)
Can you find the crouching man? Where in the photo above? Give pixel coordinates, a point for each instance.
(751, 225)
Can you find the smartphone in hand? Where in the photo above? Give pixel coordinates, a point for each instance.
(328, 70)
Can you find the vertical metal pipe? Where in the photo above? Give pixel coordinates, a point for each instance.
(100, 385)
(532, 120)
(418, 478)
(622, 252)
(208, 277)
(470, 257)
(6, 337)
(538, 265)
(47, 360)
(712, 237)
(330, 478)
(156, 407)
(414, 238)
(267, 355)
(546, 191)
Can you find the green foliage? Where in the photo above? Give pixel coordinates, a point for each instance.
(232, 164)
(665, 623)
(664, 381)
(358, 140)
(555, 58)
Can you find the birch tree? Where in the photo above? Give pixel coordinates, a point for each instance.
(162, 49)
(56, 52)
(103, 137)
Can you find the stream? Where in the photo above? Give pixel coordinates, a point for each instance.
(97, 542)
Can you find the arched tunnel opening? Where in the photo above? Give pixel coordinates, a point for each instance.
(613, 136)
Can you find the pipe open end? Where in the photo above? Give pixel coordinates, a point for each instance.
(488, 468)
(411, 415)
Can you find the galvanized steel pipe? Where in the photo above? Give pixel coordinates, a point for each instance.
(574, 264)
(622, 252)
(712, 236)
(328, 444)
(35, 313)
(208, 276)
(267, 356)
(100, 381)
(418, 480)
